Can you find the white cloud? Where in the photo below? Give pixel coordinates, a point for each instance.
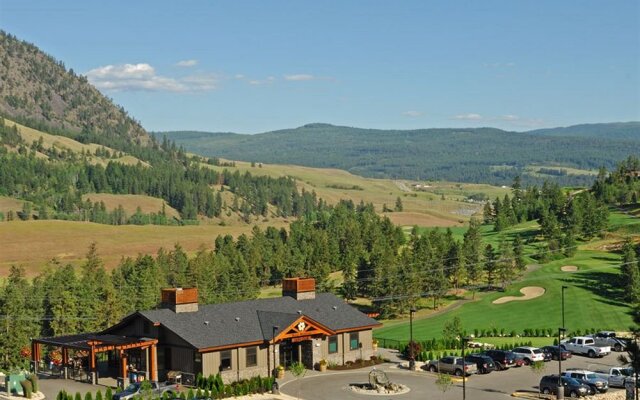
(239, 76)
(413, 114)
(509, 117)
(499, 65)
(187, 63)
(468, 117)
(299, 77)
(143, 77)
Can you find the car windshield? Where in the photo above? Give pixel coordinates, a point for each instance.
(537, 351)
(571, 381)
(590, 376)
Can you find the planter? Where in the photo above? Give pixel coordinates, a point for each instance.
(374, 346)
(323, 367)
(280, 373)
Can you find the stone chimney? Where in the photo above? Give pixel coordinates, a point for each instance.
(299, 288)
(180, 300)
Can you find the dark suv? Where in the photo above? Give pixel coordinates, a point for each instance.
(485, 363)
(555, 352)
(503, 359)
(572, 388)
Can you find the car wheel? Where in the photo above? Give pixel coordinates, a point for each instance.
(527, 361)
(592, 390)
(574, 394)
(458, 372)
(546, 391)
(432, 368)
(617, 347)
(592, 354)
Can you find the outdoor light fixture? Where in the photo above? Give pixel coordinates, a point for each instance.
(412, 359)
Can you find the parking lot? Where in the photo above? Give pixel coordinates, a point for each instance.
(496, 385)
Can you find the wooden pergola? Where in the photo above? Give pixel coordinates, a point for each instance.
(98, 343)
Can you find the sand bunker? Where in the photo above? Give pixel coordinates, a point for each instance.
(529, 292)
(569, 268)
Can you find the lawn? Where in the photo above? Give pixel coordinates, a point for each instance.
(594, 298)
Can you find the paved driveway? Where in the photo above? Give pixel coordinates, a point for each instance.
(496, 385)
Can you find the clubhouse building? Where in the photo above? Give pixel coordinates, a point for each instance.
(238, 340)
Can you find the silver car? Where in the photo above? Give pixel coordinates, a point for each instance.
(452, 365)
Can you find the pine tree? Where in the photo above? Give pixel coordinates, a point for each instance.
(399, 207)
(518, 253)
(630, 271)
(472, 252)
(490, 264)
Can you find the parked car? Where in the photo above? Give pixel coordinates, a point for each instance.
(485, 363)
(157, 390)
(555, 352)
(572, 388)
(502, 358)
(518, 358)
(586, 346)
(609, 338)
(616, 376)
(595, 383)
(529, 354)
(452, 365)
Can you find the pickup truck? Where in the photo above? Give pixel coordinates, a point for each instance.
(609, 338)
(586, 346)
(157, 390)
(596, 383)
(617, 376)
(452, 365)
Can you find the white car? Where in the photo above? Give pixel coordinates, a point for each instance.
(529, 354)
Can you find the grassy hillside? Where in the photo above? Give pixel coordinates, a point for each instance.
(432, 204)
(131, 202)
(30, 135)
(34, 243)
(594, 298)
(461, 155)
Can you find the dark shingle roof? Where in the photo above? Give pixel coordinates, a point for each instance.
(253, 320)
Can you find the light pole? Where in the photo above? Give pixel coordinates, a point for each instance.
(560, 394)
(464, 368)
(412, 359)
(563, 289)
(273, 343)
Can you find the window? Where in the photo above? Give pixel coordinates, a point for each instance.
(225, 359)
(333, 344)
(354, 340)
(252, 356)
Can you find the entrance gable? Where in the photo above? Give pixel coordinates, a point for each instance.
(303, 328)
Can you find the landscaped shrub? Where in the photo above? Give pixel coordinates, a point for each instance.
(190, 394)
(108, 394)
(99, 395)
(33, 378)
(27, 388)
(78, 396)
(62, 395)
(88, 396)
(412, 345)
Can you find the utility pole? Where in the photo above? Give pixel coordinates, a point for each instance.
(412, 359)
(464, 369)
(560, 394)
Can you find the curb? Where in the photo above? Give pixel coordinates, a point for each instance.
(529, 395)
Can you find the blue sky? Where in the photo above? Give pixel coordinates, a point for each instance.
(253, 66)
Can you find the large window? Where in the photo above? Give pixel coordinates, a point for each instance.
(333, 344)
(252, 356)
(354, 340)
(225, 359)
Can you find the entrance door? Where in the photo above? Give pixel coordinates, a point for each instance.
(288, 353)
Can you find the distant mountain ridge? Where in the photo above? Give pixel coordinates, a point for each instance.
(39, 91)
(456, 154)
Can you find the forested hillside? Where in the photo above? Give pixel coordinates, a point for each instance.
(463, 155)
(39, 91)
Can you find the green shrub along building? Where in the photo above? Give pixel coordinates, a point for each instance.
(239, 340)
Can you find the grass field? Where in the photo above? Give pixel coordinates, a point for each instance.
(130, 202)
(34, 243)
(10, 204)
(594, 298)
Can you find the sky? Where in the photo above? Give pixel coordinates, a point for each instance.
(255, 66)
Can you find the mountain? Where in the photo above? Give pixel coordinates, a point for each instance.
(464, 155)
(39, 91)
(615, 130)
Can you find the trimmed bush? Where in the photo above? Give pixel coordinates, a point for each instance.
(78, 396)
(99, 395)
(27, 388)
(108, 394)
(88, 396)
(33, 378)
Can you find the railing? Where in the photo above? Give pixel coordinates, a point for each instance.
(390, 343)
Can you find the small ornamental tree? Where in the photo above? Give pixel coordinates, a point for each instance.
(444, 383)
(298, 370)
